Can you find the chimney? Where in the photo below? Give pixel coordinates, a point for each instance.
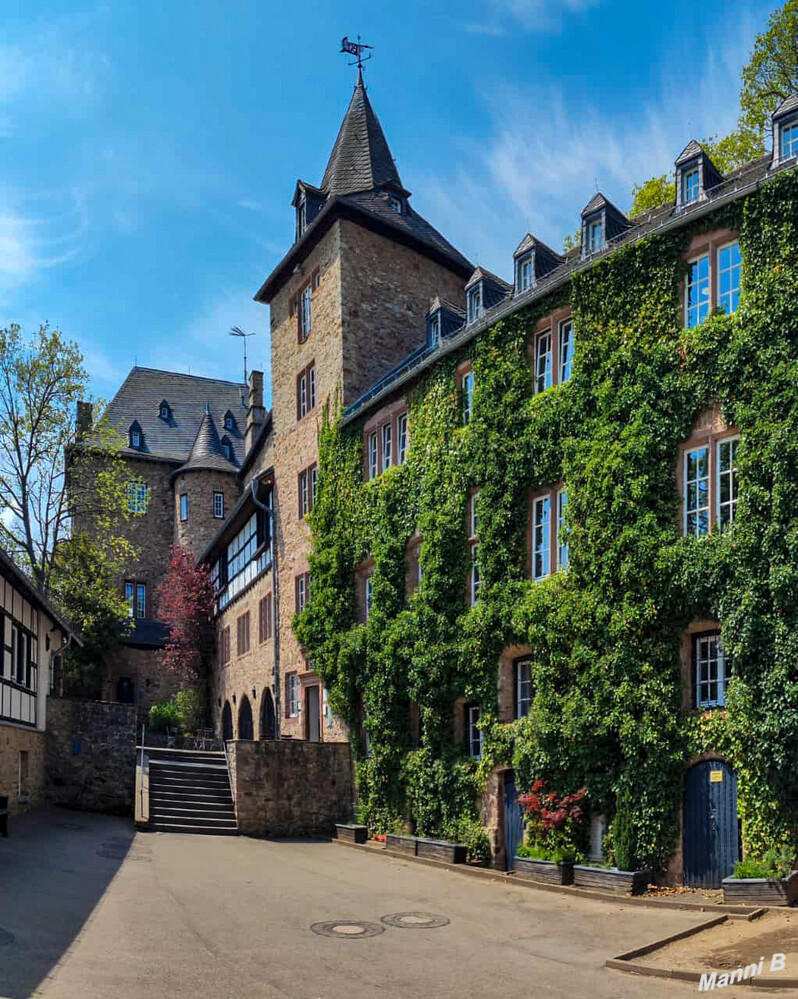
(85, 417)
(256, 414)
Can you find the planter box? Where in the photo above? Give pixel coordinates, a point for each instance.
(610, 879)
(550, 872)
(761, 891)
(435, 849)
(351, 834)
(402, 844)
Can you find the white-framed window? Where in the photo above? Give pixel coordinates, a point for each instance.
(314, 482)
(304, 494)
(369, 596)
(541, 537)
(292, 695)
(474, 732)
(468, 396)
(135, 438)
(696, 291)
(141, 600)
(690, 185)
(712, 671)
(305, 312)
(136, 598)
(229, 421)
(218, 506)
(311, 386)
(522, 681)
(474, 302)
(302, 591)
(562, 545)
(387, 440)
(303, 394)
(227, 448)
(184, 507)
(473, 520)
(594, 236)
(542, 361)
(566, 349)
(136, 497)
(696, 491)
(475, 580)
(164, 410)
(729, 269)
(728, 485)
(789, 139)
(434, 330)
(523, 273)
(402, 439)
(373, 455)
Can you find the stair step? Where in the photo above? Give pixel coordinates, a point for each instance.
(198, 797)
(222, 812)
(175, 780)
(207, 830)
(182, 754)
(208, 772)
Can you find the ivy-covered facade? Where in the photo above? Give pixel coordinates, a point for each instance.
(406, 643)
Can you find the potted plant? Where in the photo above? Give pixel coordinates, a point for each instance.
(552, 829)
(621, 874)
(769, 881)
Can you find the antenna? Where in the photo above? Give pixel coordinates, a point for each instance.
(236, 331)
(356, 49)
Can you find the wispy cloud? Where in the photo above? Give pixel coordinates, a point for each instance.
(542, 15)
(545, 156)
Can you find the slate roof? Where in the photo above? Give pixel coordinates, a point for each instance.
(207, 450)
(690, 151)
(530, 242)
(139, 398)
(360, 159)
(482, 274)
(790, 104)
(444, 303)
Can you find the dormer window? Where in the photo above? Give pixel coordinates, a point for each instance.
(690, 185)
(785, 130)
(229, 421)
(227, 448)
(434, 330)
(523, 273)
(165, 410)
(136, 437)
(475, 302)
(788, 134)
(395, 204)
(302, 217)
(594, 236)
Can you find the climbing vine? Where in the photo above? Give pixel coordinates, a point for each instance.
(605, 634)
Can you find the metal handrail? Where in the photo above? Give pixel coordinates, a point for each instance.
(141, 789)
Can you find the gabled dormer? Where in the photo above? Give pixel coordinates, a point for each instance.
(443, 319)
(533, 261)
(483, 291)
(165, 411)
(696, 175)
(227, 449)
(135, 436)
(601, 223)
(307, 201)
(230, 421)
(785, 131)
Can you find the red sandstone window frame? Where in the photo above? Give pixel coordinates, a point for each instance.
(466, 411)
(295, 308)
(394, 418)
(292, 695)
(242, 634)
(265, 610)
(709, 431)
(551, 325)
(554, 563)
(301, 591)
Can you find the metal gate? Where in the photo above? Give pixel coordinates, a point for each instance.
(513, 821)
(711, 828)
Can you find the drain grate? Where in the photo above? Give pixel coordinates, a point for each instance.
(6, 938)
(415, 920)
(347, 929)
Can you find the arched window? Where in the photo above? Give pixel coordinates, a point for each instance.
(227, 722)
(245, 728)
(268, 720)
(136, 436)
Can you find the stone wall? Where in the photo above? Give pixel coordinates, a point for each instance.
(199, 485)
(151, 682)
(288, 788)
(91, 755)
(23, 790)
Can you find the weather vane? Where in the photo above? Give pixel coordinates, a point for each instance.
(235, 331)
(356, 49)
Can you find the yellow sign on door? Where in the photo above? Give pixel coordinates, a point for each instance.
(715, 776)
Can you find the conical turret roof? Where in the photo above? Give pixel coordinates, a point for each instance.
(207, 450)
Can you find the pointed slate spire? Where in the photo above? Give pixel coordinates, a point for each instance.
(207, 451)
(360, 159)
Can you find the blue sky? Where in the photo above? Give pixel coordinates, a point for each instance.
(149, 150)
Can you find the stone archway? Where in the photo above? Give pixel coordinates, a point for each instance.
(245, 726)
(227, 722)
(268, 718)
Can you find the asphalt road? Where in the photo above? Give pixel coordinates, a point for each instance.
(98, 912)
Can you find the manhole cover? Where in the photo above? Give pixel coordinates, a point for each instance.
(5, 937)
(415, 920)
(348, 929)
(72, 826)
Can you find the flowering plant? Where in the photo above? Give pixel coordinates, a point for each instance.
(552, 822)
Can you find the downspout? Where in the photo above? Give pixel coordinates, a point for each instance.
(253, 485)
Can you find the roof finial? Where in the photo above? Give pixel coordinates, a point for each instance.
(356, 49)
(208, 408)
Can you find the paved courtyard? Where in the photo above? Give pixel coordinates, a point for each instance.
(100, 912)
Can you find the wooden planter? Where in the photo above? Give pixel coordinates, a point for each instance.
(435, 849)
(351, 834)
(761, 891)
(550, 872)
(610, 879)
(402, 844)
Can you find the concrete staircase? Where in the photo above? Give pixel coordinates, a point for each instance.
(190, 792)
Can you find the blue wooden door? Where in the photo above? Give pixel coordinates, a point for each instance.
(711, 828)
(513, 821)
